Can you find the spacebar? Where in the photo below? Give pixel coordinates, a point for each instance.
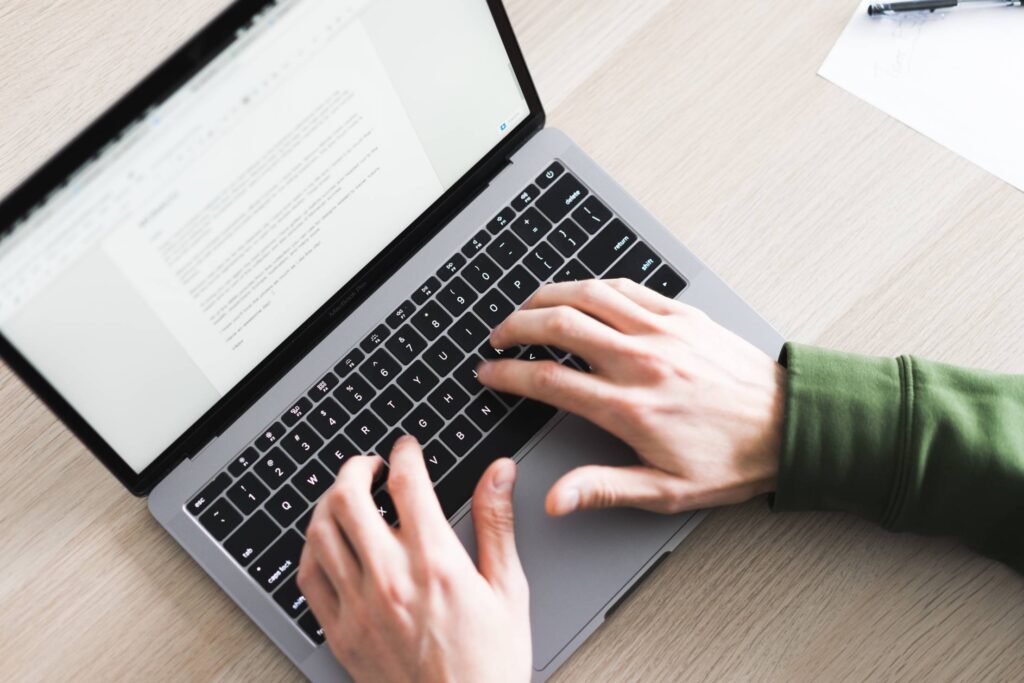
(507, 438)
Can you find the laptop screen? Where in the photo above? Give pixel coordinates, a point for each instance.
(168, 267)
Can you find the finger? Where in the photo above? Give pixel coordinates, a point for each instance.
(595, 486)
(584, 394)
(494, 522)
(331, 551)
(644, 296)
(563, 327)
(413, 493)
(316, 588)
(353, 508)
(598, 300)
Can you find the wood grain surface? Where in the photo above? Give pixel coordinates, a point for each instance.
(842, 226)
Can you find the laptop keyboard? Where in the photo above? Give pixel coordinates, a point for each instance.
(415, 373)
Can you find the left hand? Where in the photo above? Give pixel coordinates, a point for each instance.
(408, 604)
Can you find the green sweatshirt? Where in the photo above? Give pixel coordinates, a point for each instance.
(907, 443)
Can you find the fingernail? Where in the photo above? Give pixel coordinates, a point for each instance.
(405, 440)
(568, 500)
(504, 477)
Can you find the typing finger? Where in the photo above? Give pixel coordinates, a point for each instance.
(598, 300)
(648, 298)
(563, 327)
(411, 489)
(352, 507)
(331, 551)
(317, 588)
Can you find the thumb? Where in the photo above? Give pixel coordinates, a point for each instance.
(495, 528)
(594, 486)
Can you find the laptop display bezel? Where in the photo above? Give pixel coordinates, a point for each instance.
(155, 88)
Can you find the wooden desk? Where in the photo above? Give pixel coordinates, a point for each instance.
(842, 226)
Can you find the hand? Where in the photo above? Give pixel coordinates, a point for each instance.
(701, 407)
(408, 604)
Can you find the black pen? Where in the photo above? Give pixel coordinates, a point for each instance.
(932, 5)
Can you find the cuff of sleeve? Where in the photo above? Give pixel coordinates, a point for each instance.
(842, 434)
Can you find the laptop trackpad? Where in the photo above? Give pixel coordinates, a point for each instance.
(577, 563)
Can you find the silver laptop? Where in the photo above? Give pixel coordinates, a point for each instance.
(286, 246)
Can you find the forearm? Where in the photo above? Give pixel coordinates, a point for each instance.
(909, 444)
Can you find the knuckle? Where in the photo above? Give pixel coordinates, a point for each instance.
(547, 376)
(561, 322)
(591, 290)
(399, 479)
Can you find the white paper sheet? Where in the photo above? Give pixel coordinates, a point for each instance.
(954, 76)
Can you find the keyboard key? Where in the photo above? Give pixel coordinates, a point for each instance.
(443, 356)
(290, 598)
(518, 285)
(392, 405)
(531, 226)
(312, 480)
(573, 271)
(431, 320)
(481, 272)
(456, 296)
(486, 410)
(549, 175)
(667, 282)
(426, 290)
(406, 344)
(535, 353)
(465, 375)
(438, 459)
(638, 264)
(468, 332)
(303, 523)
(349, 362)
(493, 308)
(591, 215)
(323, 387)
(501, 221)
(423, 423)
(385, 507)
(286, 505)
(380, 368)
(451, 267)
(491, 353)
(607, 246)
(565, 195)
(448, 399)
(220, 519)
(297, 411)
(543, 261)
(506, 250)
(248, 493)
(209, 493)
(327, 418)
(354, 393)
(252, 538)
(476, 244)
(302, 442)
(417, 380)
(279, 562)
(270, 437)
(375, 338)
(511, 435)
(525, 198)
(312, 628)
(567, 238)
(460, 435)
(401, 314)
(365, 430)
(243, 461)
(336, 452)
(274, 468)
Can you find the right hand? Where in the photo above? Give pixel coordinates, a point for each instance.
(702, 408)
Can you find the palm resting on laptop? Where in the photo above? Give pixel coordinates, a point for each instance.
(713, 421)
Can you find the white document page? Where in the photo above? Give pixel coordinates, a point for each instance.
(953, 76)
(252, 238)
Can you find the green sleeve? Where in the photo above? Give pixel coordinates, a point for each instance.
(907, 443)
